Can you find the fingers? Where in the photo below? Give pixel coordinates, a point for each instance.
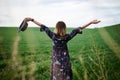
(28, 19)
(98, 21)
(95, 21)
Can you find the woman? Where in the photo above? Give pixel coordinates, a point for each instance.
(61, 66)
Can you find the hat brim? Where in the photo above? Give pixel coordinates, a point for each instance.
(23, 26)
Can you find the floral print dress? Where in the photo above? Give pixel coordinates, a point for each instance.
(61, 66)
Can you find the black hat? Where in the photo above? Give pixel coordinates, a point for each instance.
(23, 26)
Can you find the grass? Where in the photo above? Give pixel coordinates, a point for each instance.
(91, 54)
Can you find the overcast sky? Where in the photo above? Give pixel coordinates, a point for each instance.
(73, 12)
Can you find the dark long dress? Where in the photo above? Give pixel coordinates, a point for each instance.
(61, 66)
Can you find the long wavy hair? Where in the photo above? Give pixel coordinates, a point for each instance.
(60, 28)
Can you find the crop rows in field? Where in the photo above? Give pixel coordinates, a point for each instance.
(95, 55)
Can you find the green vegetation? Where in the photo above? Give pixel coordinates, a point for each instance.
(95, 55)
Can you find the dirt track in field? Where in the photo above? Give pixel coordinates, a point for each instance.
(15, 50)
(16, 63)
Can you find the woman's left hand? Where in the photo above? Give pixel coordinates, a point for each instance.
(29, 19)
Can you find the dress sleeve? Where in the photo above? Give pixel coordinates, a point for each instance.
(47, 30)
(74, 33)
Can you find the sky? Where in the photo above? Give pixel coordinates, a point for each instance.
(74, 13)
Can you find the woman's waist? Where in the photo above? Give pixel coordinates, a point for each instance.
(60, 46)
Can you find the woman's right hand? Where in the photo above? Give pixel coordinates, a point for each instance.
(94, 21)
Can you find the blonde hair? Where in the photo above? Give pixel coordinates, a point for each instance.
(60, 28)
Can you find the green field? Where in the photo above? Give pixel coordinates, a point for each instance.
(95, 55)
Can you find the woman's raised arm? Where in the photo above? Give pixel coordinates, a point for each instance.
(33, 20)
(91, 22)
